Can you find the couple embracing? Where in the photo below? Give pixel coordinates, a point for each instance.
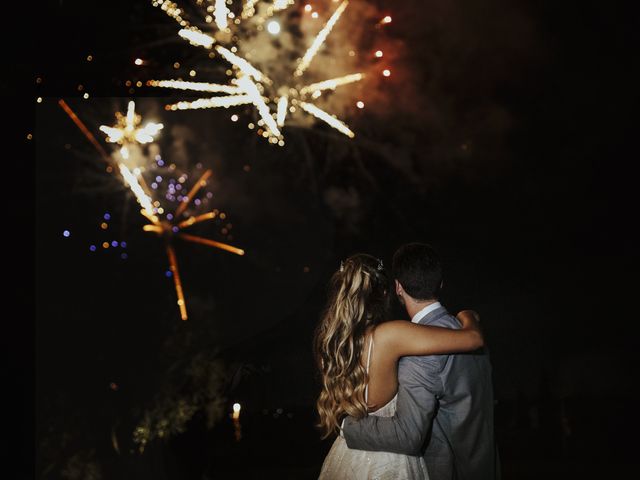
(407, 400)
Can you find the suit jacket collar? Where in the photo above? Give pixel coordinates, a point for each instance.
(433, 315)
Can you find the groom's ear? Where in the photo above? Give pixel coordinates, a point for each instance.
(398, 287)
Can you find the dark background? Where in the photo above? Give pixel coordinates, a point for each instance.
(517, 164)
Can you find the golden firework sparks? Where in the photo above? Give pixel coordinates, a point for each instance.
(251, 85)
(128, 131)
(213, 102)
(167, 229)
(305, 61)
(195, 86)
(325, 117)
(221, 14)
(197, 37)
(331, 84)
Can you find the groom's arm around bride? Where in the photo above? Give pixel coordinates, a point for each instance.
(436, 416)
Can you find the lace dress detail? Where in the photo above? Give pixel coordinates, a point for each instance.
(343, 463)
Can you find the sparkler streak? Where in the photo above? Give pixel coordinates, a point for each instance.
(173, 266)
(319, 40)
(211, 243)
(138, 191)
(213, 102)
(198, 185)
(105, 156)
(153, 228)
(172, 10)
(244, 66)
(195, 86)
(282, 110)
(251, 89)
(197, 37)
(200, 218)
(221, 13)
(324, 116)
(332, 83)
(143, 183)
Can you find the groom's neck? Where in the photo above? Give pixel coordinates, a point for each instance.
(414, 306)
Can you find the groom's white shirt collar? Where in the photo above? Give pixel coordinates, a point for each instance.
(425, 311)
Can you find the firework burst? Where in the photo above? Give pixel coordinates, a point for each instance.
(128, 131)
(269, 50)
(167, 225)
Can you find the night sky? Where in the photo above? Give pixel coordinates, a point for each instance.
(506, 141)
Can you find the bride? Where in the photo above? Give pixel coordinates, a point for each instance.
(357, 352)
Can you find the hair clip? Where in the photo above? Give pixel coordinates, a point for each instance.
(380, 266)
(341, 266)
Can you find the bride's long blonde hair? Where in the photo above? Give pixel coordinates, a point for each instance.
(357, 300)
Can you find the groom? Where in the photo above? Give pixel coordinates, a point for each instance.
(445, 402)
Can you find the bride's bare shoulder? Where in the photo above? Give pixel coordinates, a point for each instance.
(390, 330)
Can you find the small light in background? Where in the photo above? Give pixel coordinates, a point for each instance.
(138, 61)
(234, 118)
(386, 19)
(314, 15)
(307, 8)
(360, 104)
(273, 27)
(386, 72)
(379, 53)
(66, 233)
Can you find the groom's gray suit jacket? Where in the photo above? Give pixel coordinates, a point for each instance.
(444, 412)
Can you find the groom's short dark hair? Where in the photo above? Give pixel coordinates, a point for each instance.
(418, 269)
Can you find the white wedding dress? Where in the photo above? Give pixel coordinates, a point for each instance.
(343, 463)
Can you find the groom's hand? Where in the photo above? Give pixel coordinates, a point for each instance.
(464, 315)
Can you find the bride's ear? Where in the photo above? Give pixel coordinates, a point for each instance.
(399, 289)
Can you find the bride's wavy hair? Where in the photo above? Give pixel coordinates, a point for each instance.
(358, 299)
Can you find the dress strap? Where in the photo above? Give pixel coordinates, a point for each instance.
(366, 388)
(369, 354)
